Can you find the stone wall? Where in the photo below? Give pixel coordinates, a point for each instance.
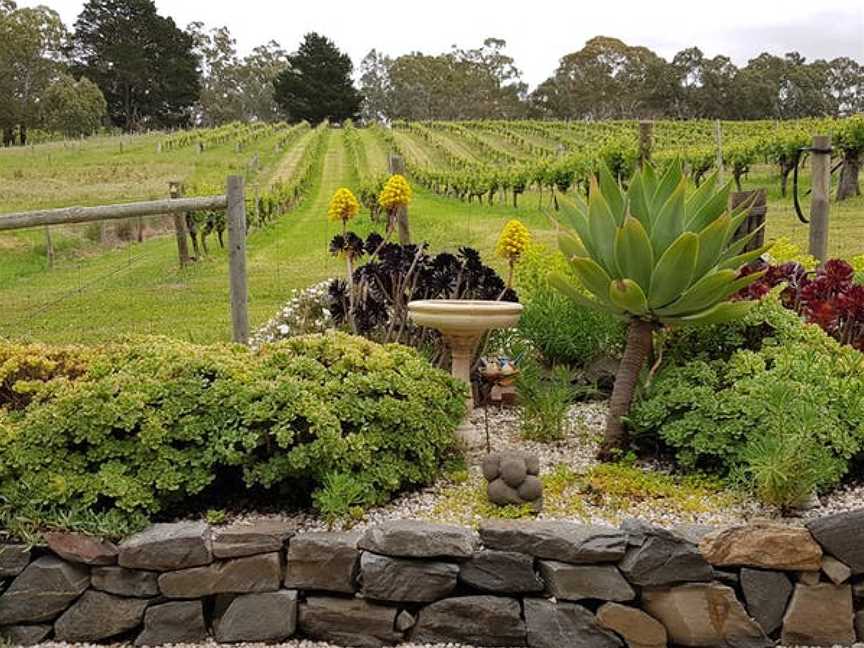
(515, 583)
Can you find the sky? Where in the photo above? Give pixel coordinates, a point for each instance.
(538, 32)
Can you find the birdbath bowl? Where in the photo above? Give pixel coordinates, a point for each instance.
(463, 322)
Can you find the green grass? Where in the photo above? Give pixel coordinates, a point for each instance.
(94, 294)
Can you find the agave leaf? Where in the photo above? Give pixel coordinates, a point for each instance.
(669, 223)
(668, 184)
(706, 292)
(638, 202)
(737, 217)
(717, 314)
(565, 286)
(633, 253)
(592, 276)
(710, 210)
(601, 229)
(742, 259)
(578, 222)
(702, 195)
(612, 194)
(674, 271)
(571, 246)
(627, 295)
(735, 248)
(711, 242)
(649, 181)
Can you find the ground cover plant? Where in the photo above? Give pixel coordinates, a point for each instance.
(130, 432)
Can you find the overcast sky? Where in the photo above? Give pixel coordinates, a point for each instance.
(538, 32)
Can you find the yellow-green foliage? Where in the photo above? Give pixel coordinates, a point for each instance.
(136, 428)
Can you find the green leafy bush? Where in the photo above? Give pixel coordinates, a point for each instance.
(563, 331)
(756, 398)
(142, 428)
(544, 400)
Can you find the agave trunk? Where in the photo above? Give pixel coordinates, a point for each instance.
(639, 341)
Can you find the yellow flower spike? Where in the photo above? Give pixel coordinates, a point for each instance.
(343, 206)
(514, 238)
(396, 193)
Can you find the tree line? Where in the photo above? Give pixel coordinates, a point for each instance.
(124, 65)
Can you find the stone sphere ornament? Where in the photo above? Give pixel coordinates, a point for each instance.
(513, 477)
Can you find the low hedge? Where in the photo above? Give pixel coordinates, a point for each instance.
(133, 430)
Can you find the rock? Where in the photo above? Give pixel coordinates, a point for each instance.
(836, 570)
(840, 535)
(348, 622)
(168, 547)
(554, 625)
(257, 617)
(819, 615)
(726, 577)
(809, 578)
(418, 539)
(472, 620)
(491, 467)
(261, 573)
(555, 540)
(769, 546)
(42, 591)
(514, 471)
(859, 625)
(28, 635)
(251, 538)
(692, 532)
(766, 594)
(98, 615)
(173, 623)
(578, 582)
(500, 494)
(13, 559)
(512, 477)
(80, 548)
(502, 572)
(531, 489)
(125, 582)
(406, 581)
(323, 561)
(656, 556)
(858, 589)
(405, 621)
(704, 614)
(638, 628)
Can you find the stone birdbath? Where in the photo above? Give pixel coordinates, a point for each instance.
(462, 322)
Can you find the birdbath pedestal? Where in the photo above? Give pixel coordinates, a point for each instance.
(462, 323)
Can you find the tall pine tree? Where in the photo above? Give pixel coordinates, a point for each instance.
(317, 84)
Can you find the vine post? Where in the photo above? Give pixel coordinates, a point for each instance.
(175, 191)
(718, 138)
(820, 170)
(646, 141)
(397, 167)
(237, 259)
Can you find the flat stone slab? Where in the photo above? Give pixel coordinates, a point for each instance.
(657, 556)
(125, 582)
(80, 548)
(472, 620)
(418, 539)
(348, 622)
(28, 635)
(819, 615)
(168, 547)
(13, 559)
(173, 623)
(327, 562)
(555, 625)
(766, 546)
(250, 538)
(555, 540)
(97, 615)
(42, 591)
(704, 614)
(271, 616)
(406, 581)
(840, 535)
(636, 627)
(579, 582)
(501, 572)
(261, 573)
(766, 594)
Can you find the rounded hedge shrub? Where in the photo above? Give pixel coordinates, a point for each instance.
(135, 429)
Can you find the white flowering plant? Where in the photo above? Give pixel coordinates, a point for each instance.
(306, 312)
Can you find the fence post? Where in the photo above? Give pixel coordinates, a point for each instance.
(820, 172)
(179, 227)
(397, 166)
(718, 138)
(646, 141)
(237, 259)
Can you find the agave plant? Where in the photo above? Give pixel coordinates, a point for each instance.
(658, 254)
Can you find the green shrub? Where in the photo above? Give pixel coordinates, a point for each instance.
(758, 397)
(561, 330)
(544, 400)
(144, 427)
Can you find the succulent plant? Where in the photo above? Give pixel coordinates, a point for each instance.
(658, 254)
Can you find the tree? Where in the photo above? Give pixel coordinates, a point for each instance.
(375, 86)
(144, 65)
(317, 84)
(73, 107)
(31, 42)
